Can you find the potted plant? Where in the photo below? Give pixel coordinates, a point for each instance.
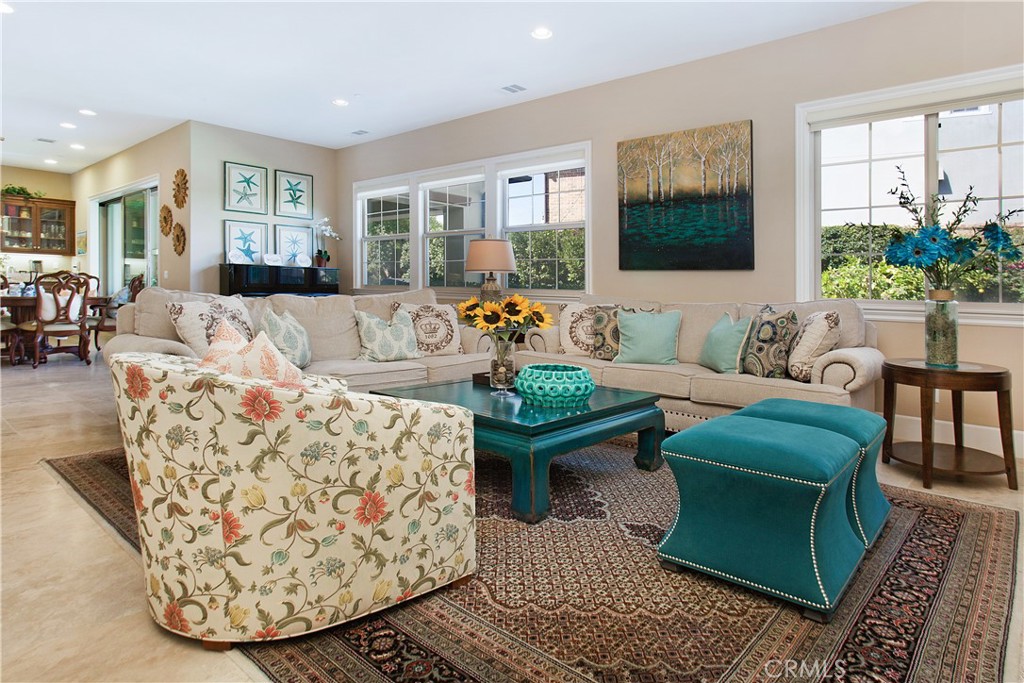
(322, 230)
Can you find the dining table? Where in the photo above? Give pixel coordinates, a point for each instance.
(23, 308)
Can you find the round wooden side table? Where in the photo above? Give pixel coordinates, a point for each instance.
(953, 459)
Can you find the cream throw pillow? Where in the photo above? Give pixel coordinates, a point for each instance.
(231, 354)
(436, 327)
(196, 321)
(816, 336)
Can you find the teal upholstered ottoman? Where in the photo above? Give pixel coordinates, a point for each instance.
(866, 505)
(762, 503)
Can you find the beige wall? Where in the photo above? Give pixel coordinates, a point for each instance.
(160, 156)
(762, 83)
(211, 147)
(53, 186)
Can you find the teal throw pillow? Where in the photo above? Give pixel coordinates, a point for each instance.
(381, 340)
(648, 337)
(289, 336)
(726, 345)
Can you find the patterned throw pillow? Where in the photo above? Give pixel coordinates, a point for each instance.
(437, 328)
(576, 329)
(289, 336)
(606, 333)
(818, 334)
(231, 354)
(768, 349)
(196, 321)
(383, 340)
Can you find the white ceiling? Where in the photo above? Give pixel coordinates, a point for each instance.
(274, 67)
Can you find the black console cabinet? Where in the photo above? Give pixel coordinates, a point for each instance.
(250, 280)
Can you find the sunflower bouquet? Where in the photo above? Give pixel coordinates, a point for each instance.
(503, 320)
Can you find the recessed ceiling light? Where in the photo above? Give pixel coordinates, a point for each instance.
(68, 125)
(338, 102)
(87, 112)
(5, 8)
(541, 33)
(77, 146)
(49, 161)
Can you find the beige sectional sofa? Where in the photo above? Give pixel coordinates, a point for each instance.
(145, 326)
(692, 393)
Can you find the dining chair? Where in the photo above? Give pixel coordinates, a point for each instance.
(107, 320)
(60, 313)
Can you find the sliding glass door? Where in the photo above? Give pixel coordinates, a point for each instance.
(129, 239)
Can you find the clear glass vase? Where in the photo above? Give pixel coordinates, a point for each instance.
(940, 328)
(503, 367)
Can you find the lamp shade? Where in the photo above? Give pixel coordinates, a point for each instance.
(490, 256)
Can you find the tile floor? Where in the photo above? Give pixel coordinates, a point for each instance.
(71, 603)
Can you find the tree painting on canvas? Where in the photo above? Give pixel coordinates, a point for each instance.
(686, 200)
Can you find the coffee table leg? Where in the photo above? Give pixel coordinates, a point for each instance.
(530, 493)
(648, 452)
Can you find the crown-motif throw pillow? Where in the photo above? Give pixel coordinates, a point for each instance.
(436, 327)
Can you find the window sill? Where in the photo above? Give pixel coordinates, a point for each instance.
(988, 315)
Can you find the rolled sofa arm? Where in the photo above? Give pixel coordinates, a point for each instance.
(474, 340)
(134, 343)
(849, 369)
(545, 341)
(266, 512)
(126, 319)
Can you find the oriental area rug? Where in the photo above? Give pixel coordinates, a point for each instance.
(581, 597)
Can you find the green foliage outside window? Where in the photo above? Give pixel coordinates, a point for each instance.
(549, 259)
(852, 266)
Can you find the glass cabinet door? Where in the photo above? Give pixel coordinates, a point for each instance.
(17, 226)
(53, 229)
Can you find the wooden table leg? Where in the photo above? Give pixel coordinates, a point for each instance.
(958, 431)
(889, 413)
(1006, 432)
(927, 445)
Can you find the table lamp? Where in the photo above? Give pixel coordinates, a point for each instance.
(490, 256)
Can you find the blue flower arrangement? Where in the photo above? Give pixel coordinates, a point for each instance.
(947, 253)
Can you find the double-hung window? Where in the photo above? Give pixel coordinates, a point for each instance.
(946, 138)
(545, 219)
(456, 214)
(414, 229)
(385, 219)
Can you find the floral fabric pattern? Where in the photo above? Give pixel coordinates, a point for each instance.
(268, 512)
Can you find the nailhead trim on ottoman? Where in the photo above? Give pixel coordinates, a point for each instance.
(762, 503)
(866, 505)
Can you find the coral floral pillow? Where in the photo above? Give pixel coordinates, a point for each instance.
(231, 353)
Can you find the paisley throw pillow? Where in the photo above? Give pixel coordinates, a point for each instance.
(818, 334)
(383, 340)
(289, 336)
(197, 321)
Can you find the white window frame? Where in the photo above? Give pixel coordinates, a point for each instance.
(944, 94)
(492, 170)
(363, 239)
(424, 190)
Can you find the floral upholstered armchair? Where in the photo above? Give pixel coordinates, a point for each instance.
(266, 512)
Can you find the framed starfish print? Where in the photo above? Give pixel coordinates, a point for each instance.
(244, 242)
(245, 188)
(294, 244)
(294, 195)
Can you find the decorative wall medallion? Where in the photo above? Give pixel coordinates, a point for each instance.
(166, 220)
(180, 188)
(178, 239)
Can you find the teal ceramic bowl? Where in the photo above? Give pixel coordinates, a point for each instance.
(554, 385)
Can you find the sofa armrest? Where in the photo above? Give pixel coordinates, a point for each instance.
(126, 319)
(545, 341)
(849, 369)
(122, 343)
(474, 340)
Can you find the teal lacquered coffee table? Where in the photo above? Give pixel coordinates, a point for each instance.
(530, 437)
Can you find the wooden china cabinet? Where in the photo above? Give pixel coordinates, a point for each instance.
(37, 226)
